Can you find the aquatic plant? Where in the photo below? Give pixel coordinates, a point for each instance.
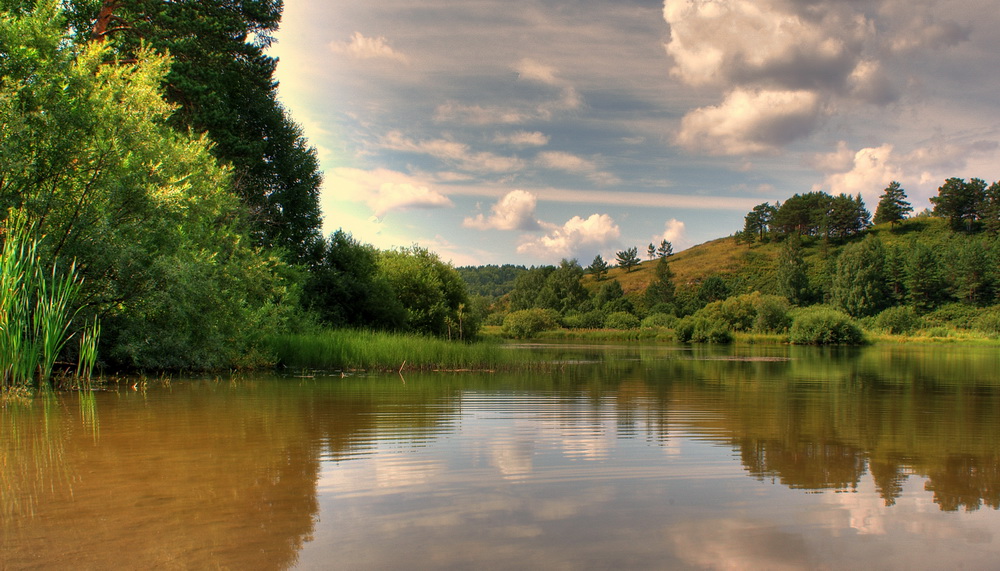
(37, 308)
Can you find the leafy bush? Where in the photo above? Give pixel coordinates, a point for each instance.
(988, 322)
(954, 314)
(621, 320)
(898, 320)
(772, 315)
(699, 329)
(820, 325)
(667, 320)
(593, 319)
(526, 323)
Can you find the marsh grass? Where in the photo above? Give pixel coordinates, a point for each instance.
(37, 308)
(377, 351)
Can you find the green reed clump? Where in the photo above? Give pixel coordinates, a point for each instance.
(371, 350)
(37, 307)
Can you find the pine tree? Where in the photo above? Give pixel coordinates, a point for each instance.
(666, 249)
(892, 205)
(628, 259)
(598, 268)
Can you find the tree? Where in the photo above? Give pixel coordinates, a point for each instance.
(991, 209)
(628, 259)
(651, 251)
(924, 284)
(793, 280)
(345, 288)
(598, 268)
(859, 284)
(960, 202)
(611, 298)
(666, 249)
(431, 292)
(223, 84)
(892, 205)
(662, 288)
(757, 222)
(562, 290)
(847, 216)
(527, 286)
(142, 208)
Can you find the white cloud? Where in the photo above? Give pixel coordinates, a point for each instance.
(532, 70)
(455, 153)
(515, 211)
(383, 190)
(750, 122)
(480, 115)
(559, 160)
(673, 233)
(595, 232)
(920, 171)
(360, 47)
(522, 139)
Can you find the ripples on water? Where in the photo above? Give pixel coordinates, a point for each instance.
(646, 457)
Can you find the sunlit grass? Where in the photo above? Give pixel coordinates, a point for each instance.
(370, 350)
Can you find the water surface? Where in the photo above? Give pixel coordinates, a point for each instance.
(616, 456)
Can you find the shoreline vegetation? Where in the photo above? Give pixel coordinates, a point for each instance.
(142, 234)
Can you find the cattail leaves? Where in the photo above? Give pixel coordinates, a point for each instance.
(37, 308)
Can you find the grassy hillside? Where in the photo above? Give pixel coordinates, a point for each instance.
(752, 267)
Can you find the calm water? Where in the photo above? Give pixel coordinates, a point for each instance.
(621, 457)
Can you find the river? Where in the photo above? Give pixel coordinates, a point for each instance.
(638, 457)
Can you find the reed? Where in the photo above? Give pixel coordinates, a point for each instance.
(37, 308)
(371, 350)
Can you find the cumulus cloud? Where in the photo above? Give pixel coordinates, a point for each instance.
(594, 232)
(383, 190)
(785, 65)
(559, 160)
(522, 139)
(454, 153)
(514, 211)
(921, 170)
(749, 122)
(673, 232)
(360, 47)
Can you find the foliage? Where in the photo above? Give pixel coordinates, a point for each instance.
(899, 320)
(666, 320)
(892, 205)
(88, 154)
(818, 213)
(527, 323)
(959, 201)
(621, 320)
(697, 329)
(562, 290)
(859, 285)
(988, 321)
(924, 284)
(490, 280)
(37, 309)
(662, 288)
(628, 258)
(792, 278)
(430, 291)
(598, 268)
(665, 249)
(611, 298)
(714, 288)
(222, 82)
(344, 287)
(749, 312)
(527, 287)
(822, 325)
(757, 223)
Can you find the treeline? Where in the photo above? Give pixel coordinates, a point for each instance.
(144, 147)
(815, 269)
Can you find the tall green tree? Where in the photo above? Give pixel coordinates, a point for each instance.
(665, 249)
(431, 292)
(859, 285)
(86, 153)
(757, 222)
(991, 209)
(960, 202)
(651, 251)
(892, 205)
(562, 290)
(793, 278)
(223, 84)
(628, 258)
(662, 289)
(925, 285)
(598, 268)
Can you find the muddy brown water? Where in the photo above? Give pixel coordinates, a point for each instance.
(642, 457)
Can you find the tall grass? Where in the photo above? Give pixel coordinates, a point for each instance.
(37, 307)
(351, 349)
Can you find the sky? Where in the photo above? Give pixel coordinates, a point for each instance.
(529, 131)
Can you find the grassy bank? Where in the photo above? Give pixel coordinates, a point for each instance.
(374, 351)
